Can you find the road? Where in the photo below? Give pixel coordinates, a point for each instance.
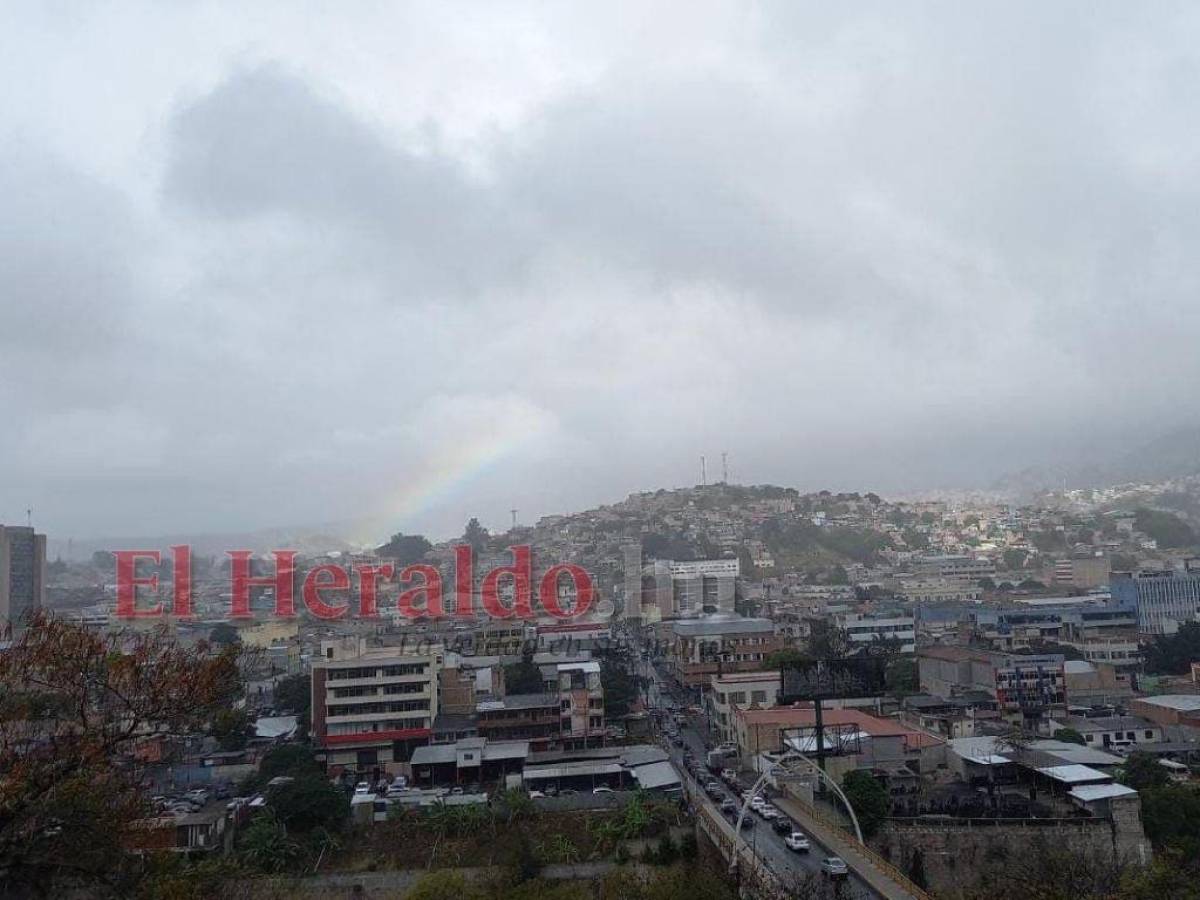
(762, 838)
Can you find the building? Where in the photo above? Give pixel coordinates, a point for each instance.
(866, 631)
(694, 586)
(1025, 686)
(1169, 709)
(534, 718)
(1083, 572)
(739, 689)
(954, 566)
(22, 576)
(938, 589)
(1164, 600)
(1096, 684)
(581, 703)
(852, 738)
(716, 645)
(372, 706)
(1115, 731)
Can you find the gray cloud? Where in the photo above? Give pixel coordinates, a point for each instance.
(872, 248)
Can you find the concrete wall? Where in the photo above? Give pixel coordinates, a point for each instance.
(956, 853)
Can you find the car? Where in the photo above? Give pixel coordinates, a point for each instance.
(536, 795)
(834, 867)
(747, 821)
(728, 805)
(456, 792)
(783, 825)
(798, 843)
(603, 789)
(362, 789)
(729, 776)
(768, 812)
(758, 801)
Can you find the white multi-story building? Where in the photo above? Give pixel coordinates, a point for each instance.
(371, 706)
(865, 631)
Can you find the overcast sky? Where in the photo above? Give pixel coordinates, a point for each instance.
(426, 261)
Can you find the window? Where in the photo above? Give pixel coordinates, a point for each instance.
(758, 696)
(1149, 735)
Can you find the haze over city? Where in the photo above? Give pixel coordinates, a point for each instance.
(440, 260)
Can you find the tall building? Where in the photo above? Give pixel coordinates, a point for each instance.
(372, 706)
(1164, 600)
(22, 575)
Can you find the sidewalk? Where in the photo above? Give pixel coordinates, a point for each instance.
(845, 846)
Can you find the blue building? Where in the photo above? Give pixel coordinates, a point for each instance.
(1164, 600)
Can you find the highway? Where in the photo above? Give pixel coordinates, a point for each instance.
(766, 844)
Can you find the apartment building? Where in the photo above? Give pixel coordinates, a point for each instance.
(736, 690)
(372, 706)
(683, 589)
(581, 703)
(718, 644)
(22, 576)
(1027, 687)
(1164, 600)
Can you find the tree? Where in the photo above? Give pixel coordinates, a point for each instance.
(293, 694)
(309, 802)
(620, 687)
(1173, 654)
(523, 677)
(1070, 735)
(232, 728)
(902, 677)
(827, 641)
(475, 535)
(406, 549)
(1014, 559)
(1166, 528)
(788, 656)
(868, 798)
(265, 845)
(1142, 771)
(74, 705)
(223, 634)
(296, 760)
(104, 561)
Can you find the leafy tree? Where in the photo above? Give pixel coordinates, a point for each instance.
(265, 845)
(1014, 559)
(987, 584)
(868, 798)
(1123, 562)
(406, 549)
(620, 687)
(523, 677)
(1142, 771)
(294, 695)
(104, 561)
(296, 760)
(72, 703)
(903, 677)
(1171, 816)
(827, 641)
(475, 535)
(231, 728)
(309, 802)
(1070, 735)
(1173, 654)
(1166, 528)
(224, 634)
(788, 656)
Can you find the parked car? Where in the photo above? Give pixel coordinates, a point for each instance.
(729, 776)
(362, 789)
(834, 867)
(603, 789)
(768, 812)
(783, 825)
(797, 842)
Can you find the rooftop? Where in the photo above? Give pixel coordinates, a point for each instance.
(1178, 702)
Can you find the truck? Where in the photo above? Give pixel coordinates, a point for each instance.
(715, 760)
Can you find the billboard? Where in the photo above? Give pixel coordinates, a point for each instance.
(832, 679)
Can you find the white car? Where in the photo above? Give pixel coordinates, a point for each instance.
(769, 813)
(603, 790)
(758, 802)
(797, 841)
(362, 789)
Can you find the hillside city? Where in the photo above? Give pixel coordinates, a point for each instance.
(1020, 698)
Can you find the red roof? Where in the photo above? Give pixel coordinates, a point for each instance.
(798, 716)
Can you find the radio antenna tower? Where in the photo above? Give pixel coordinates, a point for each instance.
(724, 468)
(514, 517)
(703, 473)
